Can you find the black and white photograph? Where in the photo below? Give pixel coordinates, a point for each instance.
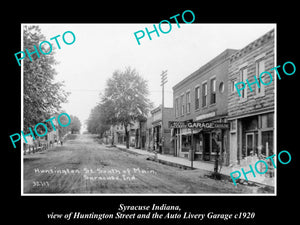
(150, 113)
(170, 115)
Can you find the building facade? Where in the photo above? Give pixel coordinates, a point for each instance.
(149, 136)
(140, 134)
(251, 116)
(202, 97)
(159, 144)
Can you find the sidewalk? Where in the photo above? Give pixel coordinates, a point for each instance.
(225, 170)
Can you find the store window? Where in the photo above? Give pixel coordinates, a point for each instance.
(267, 120)
(250, 123)
(267, 143)
(214, 143)
(199, 143)
(233, 125)
(186, 143)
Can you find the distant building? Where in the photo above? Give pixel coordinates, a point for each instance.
(140, 134)
(149, 136)
(137, 134)
(52, 136)
(118, 132)
(163, 146)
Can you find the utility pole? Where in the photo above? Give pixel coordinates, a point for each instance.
(163, 81)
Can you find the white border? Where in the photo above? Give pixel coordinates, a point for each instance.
(22, 118)
(275, 107)
(112, 194)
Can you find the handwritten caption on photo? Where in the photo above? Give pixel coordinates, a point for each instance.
(93, 174)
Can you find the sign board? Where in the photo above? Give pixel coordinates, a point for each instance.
(205, 116)
(210, 125)
(191, 125)
(179, 124)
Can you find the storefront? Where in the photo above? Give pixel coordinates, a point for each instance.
(157, 136)
(208, 140)
(252, 136)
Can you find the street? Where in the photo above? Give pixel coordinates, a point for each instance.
(84, 166)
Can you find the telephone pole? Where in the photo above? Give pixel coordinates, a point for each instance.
(163, 81)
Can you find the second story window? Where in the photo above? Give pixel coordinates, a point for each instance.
(204, 94)
(197, 98)
(188, 102)
(232, 87)
(176, 107)
(182, 105)
(243, 77)
(260, 67)
(213, 91)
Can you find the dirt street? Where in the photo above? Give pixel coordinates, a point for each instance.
(83, 166)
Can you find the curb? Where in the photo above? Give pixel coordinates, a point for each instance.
(185, 167)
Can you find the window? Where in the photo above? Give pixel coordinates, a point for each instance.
(243, 77)
(233, 82)
(197, 98)
(214, 142)
(213, 91)
(182, 104)
(221, 87)
(188, 102)
(260, 67)
(267, 120)
(267, 143)
(204, 94)
(233, 124)
(176, 107)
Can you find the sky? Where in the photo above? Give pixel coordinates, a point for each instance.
(100, 49)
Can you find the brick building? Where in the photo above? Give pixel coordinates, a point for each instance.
(202, 97)
(251, 116)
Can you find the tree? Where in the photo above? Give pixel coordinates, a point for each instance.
(62, 131)
(125, 99)
(97, 123)
(75, 124)
(42, 95)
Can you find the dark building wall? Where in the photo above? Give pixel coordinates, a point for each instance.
(252, 118)
(260, 49)
(205, 145)
(216, 68)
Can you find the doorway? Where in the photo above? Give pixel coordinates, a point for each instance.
(249, 144)
(206, 147)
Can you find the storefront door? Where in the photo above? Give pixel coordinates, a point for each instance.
(249, 144)
(206, 147)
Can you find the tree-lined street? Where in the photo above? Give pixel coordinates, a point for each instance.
(84, 166)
